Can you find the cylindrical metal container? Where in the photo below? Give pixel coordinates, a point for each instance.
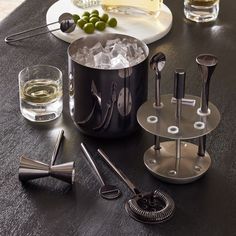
(104, 102)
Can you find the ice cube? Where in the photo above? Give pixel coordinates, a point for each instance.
(118, 49)
(102, 60)
(78, 57)
(111, 42)
(97, 48)
(89, 60)
(119, 62)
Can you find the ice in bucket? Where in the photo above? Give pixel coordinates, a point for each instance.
(116, 54)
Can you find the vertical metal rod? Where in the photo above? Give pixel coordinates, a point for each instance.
(157, 142)
(178, 148)
(202, 146)
(157, 92)
(178, 109)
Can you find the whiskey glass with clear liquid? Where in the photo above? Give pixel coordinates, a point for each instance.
(201, 10)
(40, 92)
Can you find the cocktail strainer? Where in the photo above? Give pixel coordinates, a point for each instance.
(152, 207)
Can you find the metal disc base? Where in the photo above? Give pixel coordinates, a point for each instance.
(164, 165)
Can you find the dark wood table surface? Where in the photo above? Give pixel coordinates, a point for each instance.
(51, 207)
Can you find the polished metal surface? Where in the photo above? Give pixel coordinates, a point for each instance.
(166, 117)
(31, 169)
(67, 25)
(157, 63)
(206, 64)
(119, 92)
(164, 165)
(150, 208)
(124, 103)
(56, 148)
(106, 191)
(118, 172)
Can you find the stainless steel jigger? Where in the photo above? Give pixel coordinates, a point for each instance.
(67, 25)
(157, 63)
(206, 64)
(31, 169)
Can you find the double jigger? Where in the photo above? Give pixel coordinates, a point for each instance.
(30, 169)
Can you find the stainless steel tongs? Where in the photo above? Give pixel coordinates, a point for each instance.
(67, 25)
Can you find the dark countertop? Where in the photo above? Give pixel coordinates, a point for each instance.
(50, 207)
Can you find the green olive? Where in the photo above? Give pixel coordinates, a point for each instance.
(86, 18)
(75, 18)
(86, 13)
(112, 22)
(104, 17)
(100, 25)
(81, 23)
(88, 28)
(96, 12)
(93, 20)
(94, 15)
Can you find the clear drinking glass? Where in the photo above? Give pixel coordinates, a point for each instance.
(148, 7)
(40, 91)
(201, 10)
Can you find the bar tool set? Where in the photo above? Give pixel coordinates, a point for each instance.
(179, 117)
(152, 207)
(30, 169)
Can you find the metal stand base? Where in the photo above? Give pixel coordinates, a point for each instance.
(164, 165)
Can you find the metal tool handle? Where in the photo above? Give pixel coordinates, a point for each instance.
(89, 158)
(179, 89)
(119, 172)
(157, 63)
(56, 147)
(206, 64)
(13, 38)
(67, 25)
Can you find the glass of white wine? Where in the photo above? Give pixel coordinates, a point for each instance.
(40, 91)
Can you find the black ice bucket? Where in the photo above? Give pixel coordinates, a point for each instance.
(104, 102)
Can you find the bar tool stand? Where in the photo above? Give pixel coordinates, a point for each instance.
(179, 119)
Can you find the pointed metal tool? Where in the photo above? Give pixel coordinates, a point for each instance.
(30, 169)
(67, 25)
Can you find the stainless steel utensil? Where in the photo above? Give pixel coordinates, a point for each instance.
(157, 63)
(179, 93)
(206, 64)
(106, 191)
(31, 169)
(67, 25)
(153, 207)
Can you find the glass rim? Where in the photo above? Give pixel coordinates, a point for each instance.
(41, 66)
